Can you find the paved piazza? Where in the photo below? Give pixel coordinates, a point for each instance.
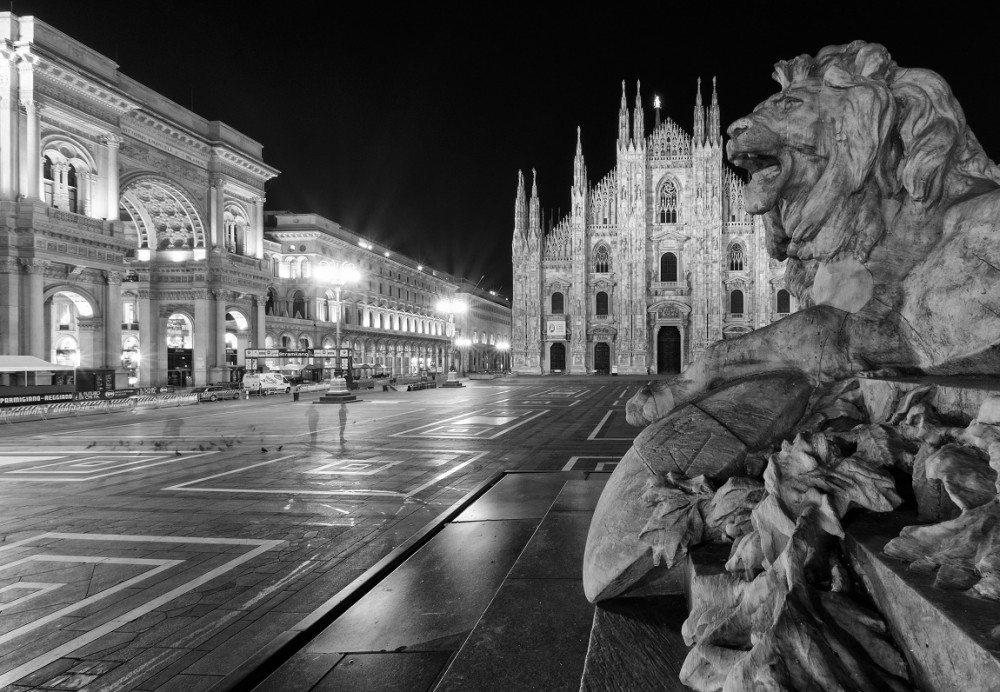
(156, 550)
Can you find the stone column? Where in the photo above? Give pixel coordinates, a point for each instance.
(90, 335)
(260, 324)
(109, 205)
(113, 320)
(9, 119)
(216, 209)
(147, 330)
(33, 304)
(220, 327)
(85, 193)
(255, 237)
(10, 306)
(33, 155)
(202, 341)
(60, 191)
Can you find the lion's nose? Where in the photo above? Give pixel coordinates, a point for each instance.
(739, 127)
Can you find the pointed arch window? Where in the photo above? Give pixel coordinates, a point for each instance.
(557, 303)
(601, 303)
(666, 203)
(602, 259)
(784, 302)
(737, 258)
(668, 267)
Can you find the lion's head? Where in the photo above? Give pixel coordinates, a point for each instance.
(848, 131)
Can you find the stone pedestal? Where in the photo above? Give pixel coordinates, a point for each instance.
(338, 393)
(452, 380)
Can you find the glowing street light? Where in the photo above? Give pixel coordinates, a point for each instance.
(338, 276)
(451, 307)
(503, 347)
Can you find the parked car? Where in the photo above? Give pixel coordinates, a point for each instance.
(214, 392)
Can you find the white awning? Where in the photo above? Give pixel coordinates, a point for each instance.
(30, 364)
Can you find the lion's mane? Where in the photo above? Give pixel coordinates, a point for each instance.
(902, 135)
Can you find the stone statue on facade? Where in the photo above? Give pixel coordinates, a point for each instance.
(884, 205)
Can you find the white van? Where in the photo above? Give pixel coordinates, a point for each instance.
(266, 382)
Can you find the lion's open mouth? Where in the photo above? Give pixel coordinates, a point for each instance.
(759, 165)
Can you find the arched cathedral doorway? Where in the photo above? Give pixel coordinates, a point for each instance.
(602, 358)
(557, 358)
(668, 350)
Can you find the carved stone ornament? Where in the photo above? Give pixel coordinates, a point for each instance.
(889, 238)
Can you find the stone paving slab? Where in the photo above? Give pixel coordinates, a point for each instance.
(173, 622)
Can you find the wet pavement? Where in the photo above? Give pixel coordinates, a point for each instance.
(161, 550)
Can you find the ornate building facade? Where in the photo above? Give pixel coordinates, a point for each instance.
(389, 316)
(652, 264)
(132, 237)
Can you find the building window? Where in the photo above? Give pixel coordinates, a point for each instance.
(668, 267)
(49, 181)
(557, 303)
(602, 303)
(737, 258)
(602, 259)
(666, 203)
(784, 302)
(736, 303)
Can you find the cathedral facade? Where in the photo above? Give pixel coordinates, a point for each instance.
(651, 265)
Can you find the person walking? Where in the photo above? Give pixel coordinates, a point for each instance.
(343, 422)
(295, 392)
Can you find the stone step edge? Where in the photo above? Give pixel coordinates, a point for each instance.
(268, 658)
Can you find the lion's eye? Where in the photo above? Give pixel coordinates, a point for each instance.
(790, 102)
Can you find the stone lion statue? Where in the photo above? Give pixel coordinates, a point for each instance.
(874, 189)
(885, 206)
(887, 209)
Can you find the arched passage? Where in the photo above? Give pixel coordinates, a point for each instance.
(557, 357)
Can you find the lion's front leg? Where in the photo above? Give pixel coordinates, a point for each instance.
(820, 342)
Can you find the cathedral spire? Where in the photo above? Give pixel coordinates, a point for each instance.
(623, 135)
(714, 127)
(579, 169)
(534, 208)
(699, 118)
(520, 209)
(638, 126)
(656, 109)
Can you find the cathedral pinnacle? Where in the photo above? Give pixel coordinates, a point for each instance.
(520, 208)
(638, 125)
(534, 208)
(714, 124)
(699, 117)
(623, 134)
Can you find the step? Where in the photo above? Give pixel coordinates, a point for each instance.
(405, 627)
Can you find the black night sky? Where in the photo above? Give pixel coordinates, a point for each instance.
(409, 125)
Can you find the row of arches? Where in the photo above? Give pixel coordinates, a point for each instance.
(325, 308)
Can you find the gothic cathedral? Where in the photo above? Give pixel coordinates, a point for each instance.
(652, 264)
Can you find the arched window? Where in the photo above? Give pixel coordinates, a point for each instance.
(71, 197)
(557, 303)
(666, 203)
(272, 299)
(299, 306)
(736, 302)
(737, 258)
(784, 302)
(668, 267)
(602, 259)
(48, 181)
(602, 303)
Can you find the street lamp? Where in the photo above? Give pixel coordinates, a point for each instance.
(451, 307)
(338, 276)
(503, 347)
(463, 342)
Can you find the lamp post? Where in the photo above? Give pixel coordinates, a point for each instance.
(338, 276)
(451, 307)
(463, 342)
(503, 347)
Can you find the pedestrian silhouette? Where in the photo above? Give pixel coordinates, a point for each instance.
(312, 415)
(343, 422)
